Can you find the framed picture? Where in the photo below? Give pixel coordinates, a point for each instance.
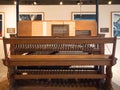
(60, 30)
(11, 30)
(115, 24)
(104, 30)
(83, 16)
(1, 24)
(31, 16)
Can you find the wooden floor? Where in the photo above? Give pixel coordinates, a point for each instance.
(4, 83)
(4, 86)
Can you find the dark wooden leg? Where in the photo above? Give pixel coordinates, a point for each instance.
(108, 78)
(101, 83)
(10, 76)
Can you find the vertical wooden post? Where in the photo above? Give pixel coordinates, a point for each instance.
(10, 76)
(108, 78)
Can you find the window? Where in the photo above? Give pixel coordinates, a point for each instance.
(1, 24)
(83, 16)
(31, 16)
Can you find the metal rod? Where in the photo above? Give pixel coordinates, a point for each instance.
(97, 14)
(17, 15)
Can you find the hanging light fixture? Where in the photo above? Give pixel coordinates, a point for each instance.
(61, 3)
(109, 2)
(34, 3)
(15, 2)
(78, 2)
(80, 5)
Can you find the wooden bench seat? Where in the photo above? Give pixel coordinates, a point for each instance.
(54, 65)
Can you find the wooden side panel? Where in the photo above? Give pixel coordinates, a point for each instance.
(44, 28)
(24, 28)
(49, 26)
(71, 27)
(35, 87)
(37, 28)
(87, 25)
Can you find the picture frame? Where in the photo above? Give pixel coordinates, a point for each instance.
(2, 24)
(104, 30)
(11, 30)
(60, 30)
(31, 16)
(83, 16)
(115, 21)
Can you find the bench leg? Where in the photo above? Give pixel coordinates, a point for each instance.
(11, 77)
(108, 78)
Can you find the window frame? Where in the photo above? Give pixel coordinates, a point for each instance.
(32, 13)
(86, 14)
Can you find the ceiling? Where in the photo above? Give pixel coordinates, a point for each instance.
(57, 2)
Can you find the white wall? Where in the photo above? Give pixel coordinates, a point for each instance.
(59, 12)
(63, 12)
(9, 17)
